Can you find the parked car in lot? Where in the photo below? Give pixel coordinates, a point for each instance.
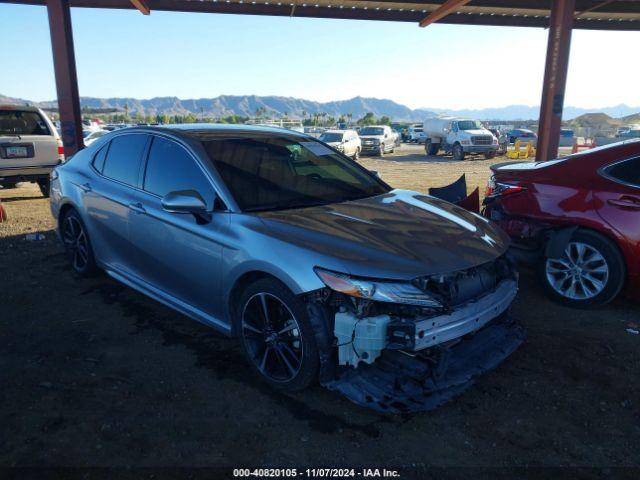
(378, 139)
(458, 137)
(345, 141)
(93, 136)
(522, 133)
(318, 267)
(503, 140)
(30, 147)
(416, 133)
(576, 218)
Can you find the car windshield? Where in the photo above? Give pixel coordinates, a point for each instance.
(372, 131)
(469, 125)
(331, 137)
(19, 122)
(275, 173)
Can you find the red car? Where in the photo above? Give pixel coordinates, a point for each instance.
(576, 218)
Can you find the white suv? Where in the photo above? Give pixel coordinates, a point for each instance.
(30, 147)
(346, 141)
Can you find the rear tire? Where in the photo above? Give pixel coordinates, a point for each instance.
(591, 279)
(44, 187)
(431, 148)
(458, 152)
(77, 244)
(281, 349)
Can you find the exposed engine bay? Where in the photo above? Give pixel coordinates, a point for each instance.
(395, 357)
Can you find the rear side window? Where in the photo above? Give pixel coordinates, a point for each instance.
(170, 168)
(626, 172)
(19, 122)
(124, 157)
(99, 158)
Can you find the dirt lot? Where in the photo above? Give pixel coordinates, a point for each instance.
(95, 374)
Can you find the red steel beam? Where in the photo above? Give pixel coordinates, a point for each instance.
(555, 78)
(142, 6)
(442, 11)
(64, 66)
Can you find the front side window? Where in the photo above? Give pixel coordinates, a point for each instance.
(170, 168)
(271, 173)
(20, 122)
(626, 172)
(124, 157)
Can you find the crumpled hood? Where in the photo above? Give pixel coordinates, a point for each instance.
(401, 234)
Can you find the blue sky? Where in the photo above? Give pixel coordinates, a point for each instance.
(123, 53)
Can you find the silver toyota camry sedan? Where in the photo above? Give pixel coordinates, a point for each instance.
(322, 271)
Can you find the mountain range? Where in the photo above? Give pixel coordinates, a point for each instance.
(277, 106)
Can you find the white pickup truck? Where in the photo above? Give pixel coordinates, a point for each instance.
(459, 137)
(378, 139)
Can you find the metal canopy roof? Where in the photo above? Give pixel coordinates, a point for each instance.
(589, 14)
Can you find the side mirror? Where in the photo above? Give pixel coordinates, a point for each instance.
(187, 201)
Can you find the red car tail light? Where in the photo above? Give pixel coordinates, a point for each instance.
(502, 189)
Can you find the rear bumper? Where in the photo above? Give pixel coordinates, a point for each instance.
(25, 174)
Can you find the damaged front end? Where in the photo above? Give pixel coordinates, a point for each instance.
(408, 347)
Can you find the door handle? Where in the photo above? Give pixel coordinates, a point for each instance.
(137, 207)
(85, 187)
(625, 203)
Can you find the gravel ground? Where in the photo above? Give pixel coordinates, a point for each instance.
(95, 374)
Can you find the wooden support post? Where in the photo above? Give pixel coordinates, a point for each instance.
(555, 79)
(64, 65)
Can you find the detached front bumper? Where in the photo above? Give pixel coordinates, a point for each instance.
(463, 320)
(402, 383)
(425, 360)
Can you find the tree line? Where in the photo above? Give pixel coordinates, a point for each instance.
(320, 119)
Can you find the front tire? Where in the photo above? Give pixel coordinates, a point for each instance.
(590, 273)
(382, 151)
(489, 155)
(458, 152)
(356, 155)
(276, 335)
(7, 186)
(77, 244)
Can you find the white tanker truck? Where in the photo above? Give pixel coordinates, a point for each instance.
(458, 136)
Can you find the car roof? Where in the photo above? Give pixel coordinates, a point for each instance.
(203, 129)
(23, 108)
